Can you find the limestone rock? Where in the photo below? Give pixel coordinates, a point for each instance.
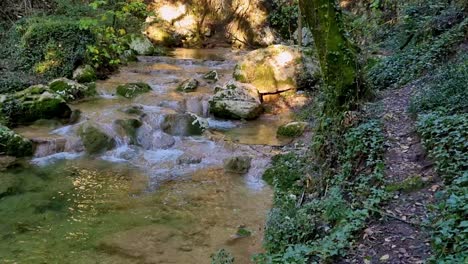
(128, 128)
(13, 144)
(34, 103)
(188, 85)
(141, 45)
(236, 101)
(273, 69)
(293, 129)
(211, 76)
(183, 124)
(94, 139)
(71, 90)
(84, 74)
(239, 164)
(131, 90)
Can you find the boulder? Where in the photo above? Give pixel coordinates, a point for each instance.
(131, 90)
(236, 101)
(183, 124)
(307, 37)
(273, 69)
(128, 128)
(71, 90)
(141, 45)
(84, 74)
(13, 144)
(161, 34)
(239, 164)
(187, 158)
(6, 162)
(293, 129)
(211, 76)
(94, 139)
(34, 103)
(188, 85)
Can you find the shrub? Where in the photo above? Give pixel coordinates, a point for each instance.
(445, 91)
(446, 140)
(54, 46)
(283, 17)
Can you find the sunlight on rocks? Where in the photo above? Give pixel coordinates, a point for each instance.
(170, 12)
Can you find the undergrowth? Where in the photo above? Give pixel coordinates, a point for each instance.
(446, 140)
(315, 217)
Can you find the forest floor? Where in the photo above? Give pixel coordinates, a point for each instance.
(398, 235)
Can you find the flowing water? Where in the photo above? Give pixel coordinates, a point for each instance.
(166, 199)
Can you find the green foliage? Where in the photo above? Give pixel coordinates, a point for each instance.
(321, 226)
(53, 46)
(222, 256)
(284, 16)
(450, 224)
(446, 140)
(444, 91)
(115, 20)
(418, 56)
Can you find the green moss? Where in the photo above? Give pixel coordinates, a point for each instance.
(85, 74)
(131, 90)
(130, 127)
(409, 184)
(94, 140)
(71, 90)
(189, 85)
(293, 129)
(262, 77)
(13, 144)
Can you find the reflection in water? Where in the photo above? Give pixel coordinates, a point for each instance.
(164, 200)
(66, 214)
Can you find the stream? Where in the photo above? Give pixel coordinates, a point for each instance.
(164, 200)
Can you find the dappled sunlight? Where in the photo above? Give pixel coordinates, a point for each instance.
(284, 58)
(171, 12)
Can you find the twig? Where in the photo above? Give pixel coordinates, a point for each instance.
(397, 218)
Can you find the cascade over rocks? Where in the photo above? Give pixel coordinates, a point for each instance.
(128, 128)
(183, 124)
(34, 103)
(236, 101)
(71, 90)
(94, 139)
(275, 69)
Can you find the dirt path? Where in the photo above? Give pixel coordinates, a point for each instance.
(399, 236)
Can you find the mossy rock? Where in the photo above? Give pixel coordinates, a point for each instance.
(85, 74)
(129, 127)
(183, 125)
(211, 76)
(71, 90)
(131, 90)
(34, 103)
(189, 85)
(236, 101)
(94, 140)
(141, 45)
(134, 110)
(293, 129)
(276, 68)
(13, 144)
(410, 184)
(239, 164)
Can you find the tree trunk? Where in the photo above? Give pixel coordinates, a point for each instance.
(338, 57)
(299, 28)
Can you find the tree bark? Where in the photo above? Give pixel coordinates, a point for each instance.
(338, 57)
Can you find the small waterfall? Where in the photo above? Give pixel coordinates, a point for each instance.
(49, 146)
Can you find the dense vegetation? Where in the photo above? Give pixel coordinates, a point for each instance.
(53, 41)
(324, 198)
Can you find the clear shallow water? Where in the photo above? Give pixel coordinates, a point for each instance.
(139, 204)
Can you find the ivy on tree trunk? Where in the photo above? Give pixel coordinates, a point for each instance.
(337, 55)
